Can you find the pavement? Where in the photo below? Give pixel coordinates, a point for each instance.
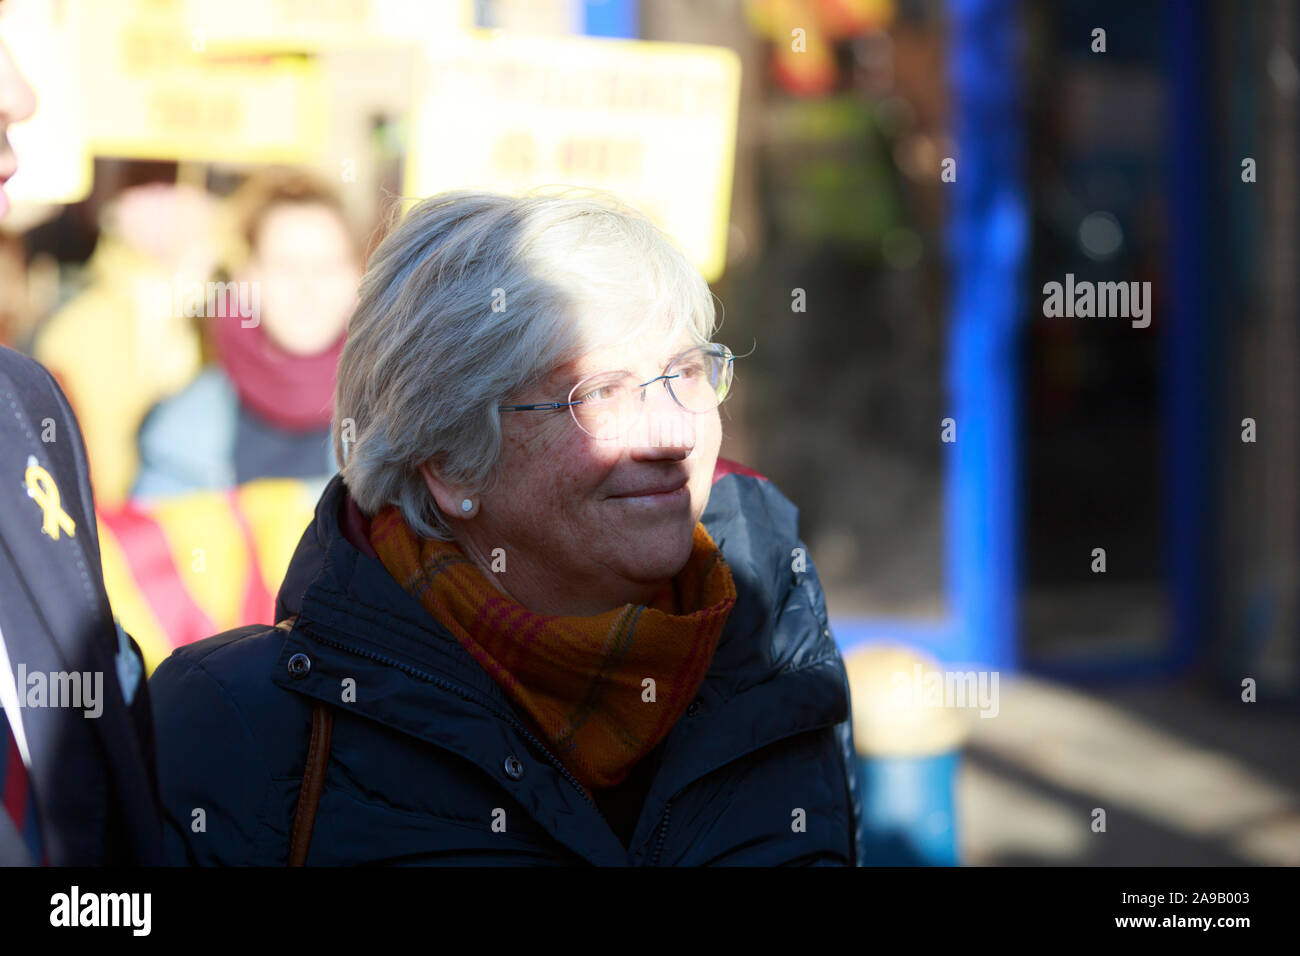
(1186, 777)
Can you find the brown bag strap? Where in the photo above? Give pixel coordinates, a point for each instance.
(313, 782)
(313, 775)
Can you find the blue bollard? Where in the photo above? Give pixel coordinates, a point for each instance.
(910, 813)
(908, 756)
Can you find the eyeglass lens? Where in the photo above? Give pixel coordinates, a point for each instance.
(610, 402)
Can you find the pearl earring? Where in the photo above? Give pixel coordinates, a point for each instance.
(467, 505)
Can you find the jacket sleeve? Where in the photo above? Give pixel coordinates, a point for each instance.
(211, 771)
(808, 591)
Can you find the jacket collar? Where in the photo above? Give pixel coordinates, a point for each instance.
(767, 680)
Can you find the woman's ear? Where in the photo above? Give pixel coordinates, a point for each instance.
(450, 498)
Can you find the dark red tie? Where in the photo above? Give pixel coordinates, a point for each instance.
(16, 793)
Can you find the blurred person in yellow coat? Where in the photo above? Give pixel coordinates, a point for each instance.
(126, 342)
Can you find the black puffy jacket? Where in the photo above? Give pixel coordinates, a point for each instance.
(431, 764)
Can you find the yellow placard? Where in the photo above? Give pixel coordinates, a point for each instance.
(320, 24)
(156, 92)
(652, 123)
(54, 161)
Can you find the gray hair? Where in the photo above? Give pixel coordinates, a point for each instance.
(474, 298)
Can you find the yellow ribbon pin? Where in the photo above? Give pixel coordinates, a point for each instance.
(42, 489)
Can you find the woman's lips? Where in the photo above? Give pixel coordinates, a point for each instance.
(655, 498)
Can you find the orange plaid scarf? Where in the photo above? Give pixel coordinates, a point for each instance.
(578, 679)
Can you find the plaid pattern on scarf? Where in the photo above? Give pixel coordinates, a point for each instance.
(579, 679)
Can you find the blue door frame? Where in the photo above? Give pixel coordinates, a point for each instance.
(987, 238)
(987, 246)
(1188, 378)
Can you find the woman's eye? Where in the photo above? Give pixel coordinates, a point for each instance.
(601, 393)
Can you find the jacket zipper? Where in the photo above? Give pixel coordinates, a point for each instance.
(663, 834)
(461, 692)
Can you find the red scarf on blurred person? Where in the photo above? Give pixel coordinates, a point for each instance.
(294, 392)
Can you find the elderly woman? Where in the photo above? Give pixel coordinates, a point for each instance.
(535, 619)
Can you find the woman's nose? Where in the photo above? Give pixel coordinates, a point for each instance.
(664, 431)
(17, 101)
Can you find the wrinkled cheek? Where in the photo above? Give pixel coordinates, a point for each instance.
(555, 486)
